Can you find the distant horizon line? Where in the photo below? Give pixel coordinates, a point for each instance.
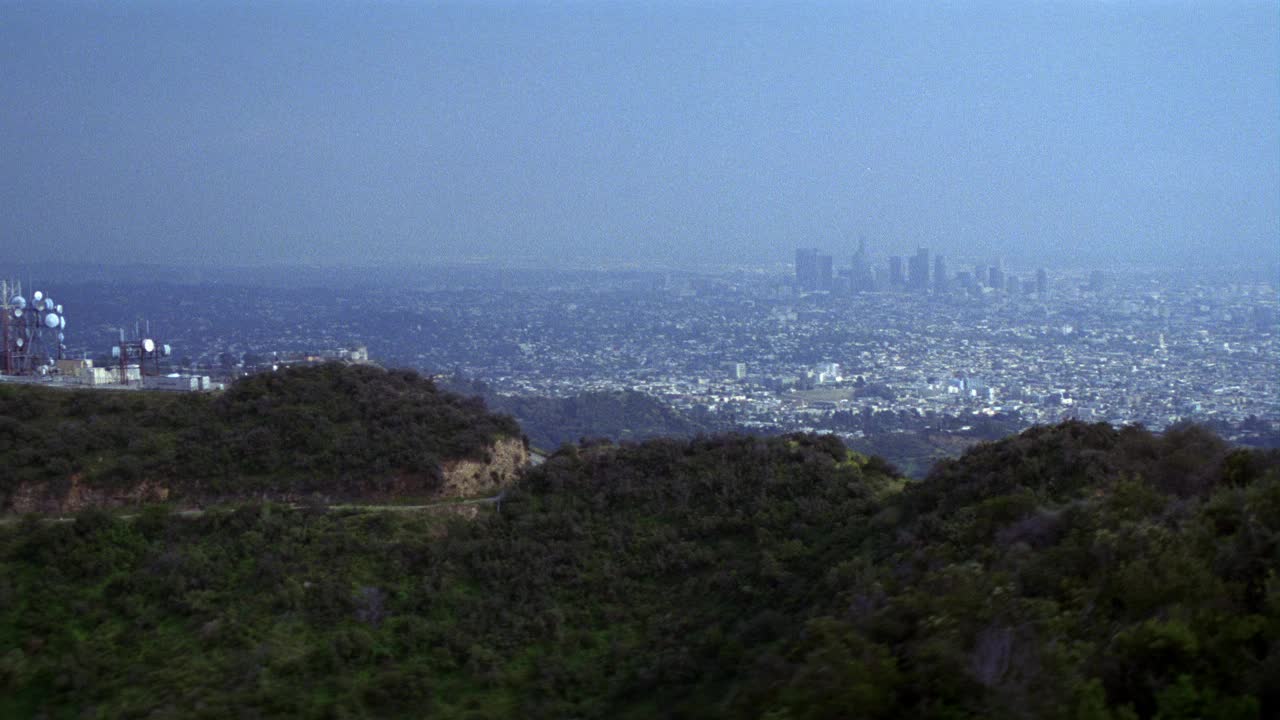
(484, 262)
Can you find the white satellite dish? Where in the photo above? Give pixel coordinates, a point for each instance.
(18, 301)
(20, 342)
(62, 321)
(49, 304)
(37, 296)
(149, 345)
(115, 351)
(58, 309)
(51, 320)
(17, 312)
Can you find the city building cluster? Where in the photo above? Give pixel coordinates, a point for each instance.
(1151, 350)
(756, 349)
(815, 272)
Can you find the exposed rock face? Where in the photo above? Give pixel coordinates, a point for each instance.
(29, 497)
(469, 478)
(460, 479)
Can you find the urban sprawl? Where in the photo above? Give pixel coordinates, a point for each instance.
(884, 344)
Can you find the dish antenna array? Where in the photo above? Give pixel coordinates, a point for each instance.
(33, 331)
(143, 350)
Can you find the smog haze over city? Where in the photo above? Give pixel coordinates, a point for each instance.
(915, 226)
(622, 359)
(612, 359)
(666, 134)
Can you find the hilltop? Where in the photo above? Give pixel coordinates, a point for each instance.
(330, 431)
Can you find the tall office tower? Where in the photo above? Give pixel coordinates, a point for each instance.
(825, 280)
(807, 269)
(980, 274)
(896, 278)
(995, 277)
(919, 270)
(842, 284)
(861, 254)
(1013, 285)
(939, 275)
(1042, 282)
(862, 277)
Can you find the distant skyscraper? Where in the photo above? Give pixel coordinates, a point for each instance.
(995, 277)
(843, 282)
(813, 270)
(861, 277)
(807, 269)
(919, 270)
(1042, 282)
(939, 275)
(896, 278)
(825, 279)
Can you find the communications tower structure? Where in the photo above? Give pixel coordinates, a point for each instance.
(6, 315)
(145, 351)
(32, 331)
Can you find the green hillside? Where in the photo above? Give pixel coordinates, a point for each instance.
(1072, 572)
(330, 429)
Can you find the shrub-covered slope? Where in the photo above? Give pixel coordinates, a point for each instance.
(332, 429)
(1072, 572)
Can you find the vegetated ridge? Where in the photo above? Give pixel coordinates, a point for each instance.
(623, 415)
(333, 431)
(1075, 571)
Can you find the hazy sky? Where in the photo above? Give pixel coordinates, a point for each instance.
(254, 133)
